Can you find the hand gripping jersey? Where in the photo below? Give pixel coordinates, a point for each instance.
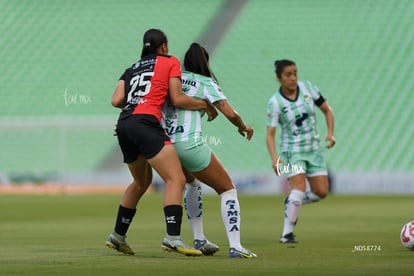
(185, 125)
(296, 118)
(146, 84)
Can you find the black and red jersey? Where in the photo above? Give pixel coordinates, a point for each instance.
(146, 84)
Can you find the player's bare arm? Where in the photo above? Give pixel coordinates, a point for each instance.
(234, 117)
(270, 142)
(329, 117)
(118, 97)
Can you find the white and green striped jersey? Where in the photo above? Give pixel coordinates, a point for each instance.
(296, 118)
(185, 125)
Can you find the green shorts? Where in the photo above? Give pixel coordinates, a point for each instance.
(194, 156)
(309, 163)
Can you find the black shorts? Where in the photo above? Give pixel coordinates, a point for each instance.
(140, 134)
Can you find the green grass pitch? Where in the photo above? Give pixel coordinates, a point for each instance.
(342, 235)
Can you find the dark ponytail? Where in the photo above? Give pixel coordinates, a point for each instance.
(153, 38)
(196, 60)
(281, 64)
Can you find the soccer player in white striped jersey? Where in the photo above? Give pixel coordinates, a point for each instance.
(184, 129)
(300, 157)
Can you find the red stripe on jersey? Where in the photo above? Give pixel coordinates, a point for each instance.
(166, 67)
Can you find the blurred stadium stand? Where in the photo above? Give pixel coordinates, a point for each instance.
(60, 61)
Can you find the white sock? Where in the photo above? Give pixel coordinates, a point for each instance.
(310, 197)
(193, 203)
(230, 213)
(292, 208)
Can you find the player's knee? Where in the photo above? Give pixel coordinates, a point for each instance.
(321, 192)
(138, 188)
(323, 195)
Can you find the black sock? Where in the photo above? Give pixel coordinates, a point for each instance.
(123, 220)
(173, 215)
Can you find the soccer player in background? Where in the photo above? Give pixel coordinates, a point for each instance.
(140, 92)
(185, 131)
(300, 158)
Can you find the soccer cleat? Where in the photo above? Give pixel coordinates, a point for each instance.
(119, 243)
(288, 238)
(176, 244)
(208, 248)
(242, 254)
